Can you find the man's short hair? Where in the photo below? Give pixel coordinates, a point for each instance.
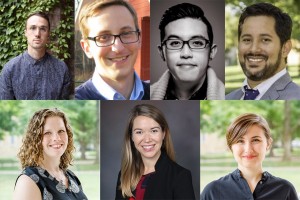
(93, 9)
(184, 10)
(283, 22)
(40, 14)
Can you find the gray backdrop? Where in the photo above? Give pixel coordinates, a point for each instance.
(183, 118)
(214, 10)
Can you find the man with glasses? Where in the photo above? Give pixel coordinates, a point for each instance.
(186, 47)
(35, 74)
(111, 36)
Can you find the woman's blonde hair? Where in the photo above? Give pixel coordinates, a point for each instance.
(132, 166)
(242, 123)
(31, 151)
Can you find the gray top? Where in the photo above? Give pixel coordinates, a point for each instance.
(23, 77)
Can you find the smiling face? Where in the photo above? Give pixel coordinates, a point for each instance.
(147, 137)
(249, 150)
(260, 52)
(187, 65)
(113, 62)
(55, 138)
(37, 32)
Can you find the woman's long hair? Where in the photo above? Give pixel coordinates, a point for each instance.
(132, 167)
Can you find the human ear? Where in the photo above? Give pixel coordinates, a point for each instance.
(86, 48)
(286, 48)
(213, 51)
(269, 143)
(161, 52)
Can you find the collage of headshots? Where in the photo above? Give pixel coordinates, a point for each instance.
(209, 96)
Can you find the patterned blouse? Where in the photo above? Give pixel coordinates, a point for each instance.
(51, 189)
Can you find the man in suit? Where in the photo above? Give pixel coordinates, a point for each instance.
(264, 34)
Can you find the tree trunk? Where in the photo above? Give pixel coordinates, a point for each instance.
(82, 150)
(287, 137)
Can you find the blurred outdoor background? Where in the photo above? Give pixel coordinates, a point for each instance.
(84, 118)
(283, 159)
(234, 75)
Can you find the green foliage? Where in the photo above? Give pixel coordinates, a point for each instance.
(13, 16)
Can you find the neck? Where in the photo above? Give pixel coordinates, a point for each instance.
(36, 53)
(252, 176)
(149, 163)
(124, 86)
(184, 90)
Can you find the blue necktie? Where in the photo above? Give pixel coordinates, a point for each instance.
(250, 94)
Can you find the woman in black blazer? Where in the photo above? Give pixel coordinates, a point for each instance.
(148, 169)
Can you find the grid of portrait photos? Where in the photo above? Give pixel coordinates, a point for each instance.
(150, 99)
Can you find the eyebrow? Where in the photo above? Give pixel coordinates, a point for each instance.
(193, 37)
(103, 32)
(150, 128)
(260, 35)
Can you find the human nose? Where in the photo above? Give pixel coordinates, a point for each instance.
(117, 45)
(147, 137)
(55, 136)
(255, 46)
(248, 147)
(186, 51)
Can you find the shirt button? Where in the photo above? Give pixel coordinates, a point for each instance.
(261, 182)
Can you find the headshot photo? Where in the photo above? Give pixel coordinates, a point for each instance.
(49, 150)
(187, 50)
(148, 151)
(265, 45)
(112, 38)
(252, 153)
(36, 61)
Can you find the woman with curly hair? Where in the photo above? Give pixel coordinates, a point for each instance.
(45, 155)
(148, 169)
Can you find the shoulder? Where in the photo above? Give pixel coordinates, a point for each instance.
(26, 189)
(173, 168)
(234, 95)
(13, 63)
(280, 182)
(87, 91)
(146, 86)
(159, 88)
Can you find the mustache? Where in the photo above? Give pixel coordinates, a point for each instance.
(265, 57)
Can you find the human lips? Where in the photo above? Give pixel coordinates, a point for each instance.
(249, 157)
(186, 65)
(56, 146)
(119, 58)
(148, 147)
(255, 58)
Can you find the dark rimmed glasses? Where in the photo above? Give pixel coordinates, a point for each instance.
(177, 44)
(109, 39)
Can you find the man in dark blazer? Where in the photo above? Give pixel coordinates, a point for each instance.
(264, 34)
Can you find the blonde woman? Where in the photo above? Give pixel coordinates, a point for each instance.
(45, 155)
(148, 168)
(249, 138)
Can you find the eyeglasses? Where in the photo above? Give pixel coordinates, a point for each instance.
(109, 39)
(177, 44)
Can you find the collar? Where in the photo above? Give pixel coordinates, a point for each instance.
(265, 85)
(200, 94)
(238, 175)
(109, 93)
(33, 61)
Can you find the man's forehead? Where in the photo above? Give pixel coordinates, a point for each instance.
(186, 27)
(35, 19)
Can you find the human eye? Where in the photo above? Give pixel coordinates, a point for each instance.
(246, 40)
(138, 132)
(44, 29)
(47, 133)
(61, 131)
(104, 38)
(155, 130)
(266, 40)
(240, 141)
(256, 140)
(198, 43)
(128, 34)
(174, 43)
(32, 28)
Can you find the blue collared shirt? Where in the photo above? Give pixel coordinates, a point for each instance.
(23, 77)
(109, 93)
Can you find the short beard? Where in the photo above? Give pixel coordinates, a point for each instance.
(267, 72)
